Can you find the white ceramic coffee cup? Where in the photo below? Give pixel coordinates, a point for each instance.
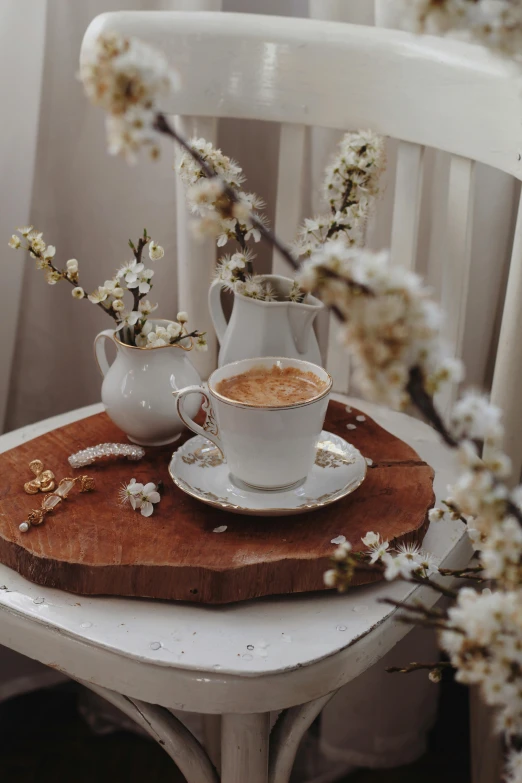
(265, 447)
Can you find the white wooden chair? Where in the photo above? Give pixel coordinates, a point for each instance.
(427, 92)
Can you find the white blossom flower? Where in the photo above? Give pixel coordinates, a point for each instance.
(118, 292)
(251, 287)
(190, 171)
(354, 172)
(495, 23)
(146, 307)
(208, 226)
(78, 292)
(342, 551)
(25, 230)
(370, 539)
(128, 79)
(330, 577)
(182, 317)
(129, 271)
(131, 318)
(14, 242)
(129, 493)
(436, 514)
(253, 233)
(203, 196)
(52, 276)
(99, 295)
(392, 327)
(397, 565)
(377, 550)
(118, 306)
(140, 279)
(227, 231)
(431, 16)
(155, 340)
(111, 285)
(37, 244)
(514, 767)
(155, 251)
(475, 418)
(174, 330)
(148, 496)
(201, 343)
(72, 267)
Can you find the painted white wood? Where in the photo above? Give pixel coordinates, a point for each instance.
(507, 379)
(457, 261)
(288, 733)
(406, 209)
(290, 177)
(196, 257)
(457, 264)
(168, 731)
(244, 748)
(203, 664)
(462, 98)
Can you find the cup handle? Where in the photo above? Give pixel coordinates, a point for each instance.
(210, 429)
(99, 351)
(216, 309)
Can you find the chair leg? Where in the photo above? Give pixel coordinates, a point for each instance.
(244, 748)
(212, 738)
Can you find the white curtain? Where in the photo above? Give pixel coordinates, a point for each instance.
(55, 174)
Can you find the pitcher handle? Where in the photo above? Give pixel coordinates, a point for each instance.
(99, 351)
(216, 309)
(210, 428)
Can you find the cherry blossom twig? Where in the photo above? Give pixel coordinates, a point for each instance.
(414, 667)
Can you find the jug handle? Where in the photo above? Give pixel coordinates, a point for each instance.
(216, 309)
(99, 351)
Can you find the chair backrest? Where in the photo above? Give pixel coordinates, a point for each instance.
(423, 91)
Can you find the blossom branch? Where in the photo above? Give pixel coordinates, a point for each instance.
(424, 403)
(415, 667)
(162, 125)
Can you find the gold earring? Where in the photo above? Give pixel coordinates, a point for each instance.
(37, 516)
(43, 481)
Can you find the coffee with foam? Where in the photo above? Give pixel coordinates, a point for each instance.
(272, 387)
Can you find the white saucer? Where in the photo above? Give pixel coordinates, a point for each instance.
(198, 469)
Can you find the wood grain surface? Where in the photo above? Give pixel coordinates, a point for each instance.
(92, 545)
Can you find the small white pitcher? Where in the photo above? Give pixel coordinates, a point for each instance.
(259, 328)
(137, 388)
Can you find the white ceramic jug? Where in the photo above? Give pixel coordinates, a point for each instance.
(259, 328)
(137, 388)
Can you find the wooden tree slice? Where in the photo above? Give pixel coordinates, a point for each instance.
(92, 545)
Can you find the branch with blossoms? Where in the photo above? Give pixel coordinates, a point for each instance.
(393, 329)
(350, 187)
(133, 324)
(228, 222)
(495, 23)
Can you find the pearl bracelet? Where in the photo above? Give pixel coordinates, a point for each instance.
(93, 453)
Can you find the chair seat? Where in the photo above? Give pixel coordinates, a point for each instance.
(254, 656)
